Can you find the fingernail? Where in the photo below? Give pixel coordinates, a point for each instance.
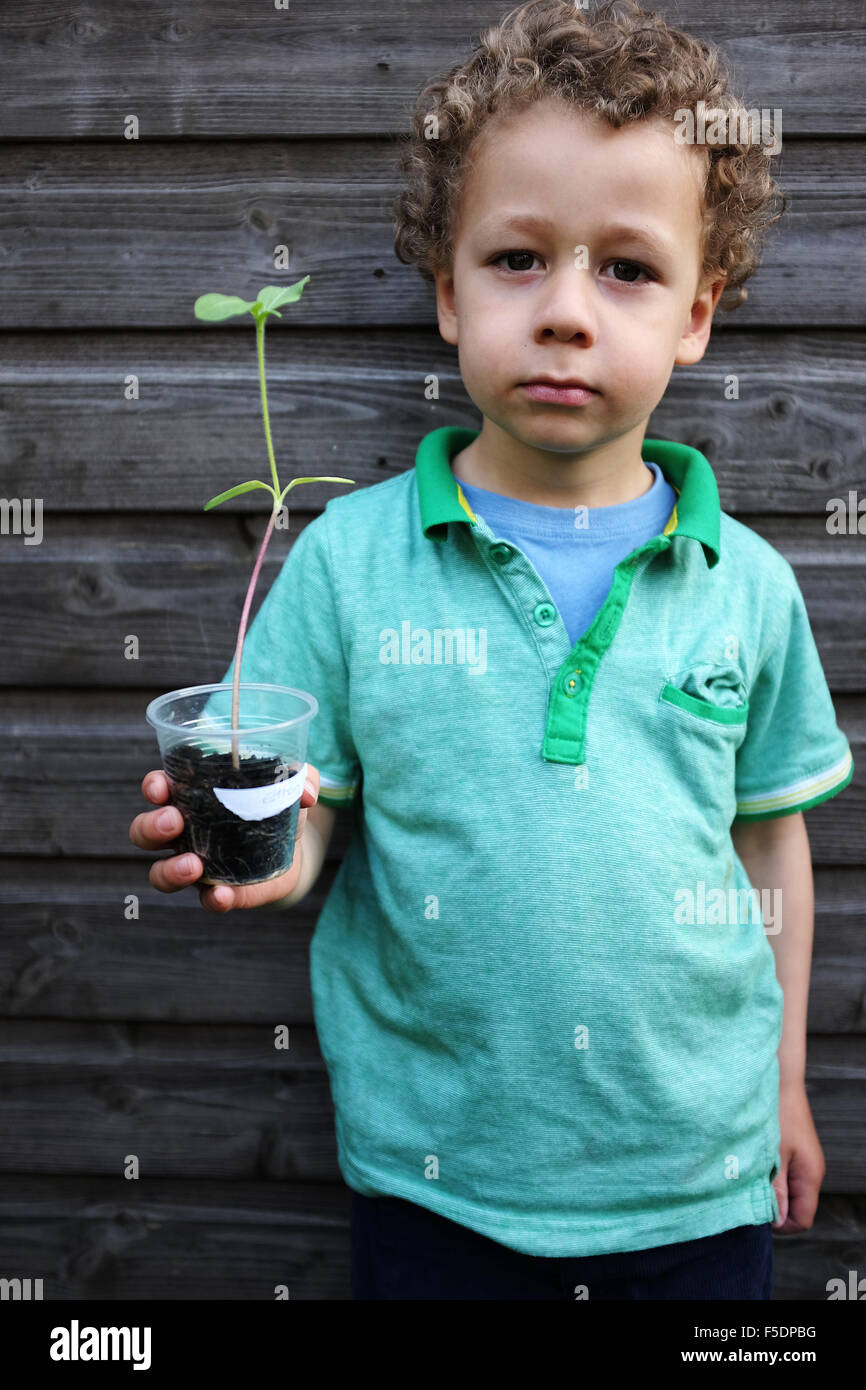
(165, 820)
(186, 864)
(308, 786)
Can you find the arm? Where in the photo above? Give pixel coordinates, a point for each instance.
(775, 854)
(312, 847)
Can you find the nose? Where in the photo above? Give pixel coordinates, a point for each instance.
(567, 304)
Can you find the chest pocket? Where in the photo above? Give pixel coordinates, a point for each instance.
(713, 692)
(702, 716)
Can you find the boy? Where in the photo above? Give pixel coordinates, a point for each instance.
(577, 712)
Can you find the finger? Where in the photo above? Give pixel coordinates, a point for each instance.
(224, 897)
(309, 797)
(802, 1205)
(176, 872)
(155, 829)
(154, 786)
(781, 1189)
(311, 786)
(217, 897)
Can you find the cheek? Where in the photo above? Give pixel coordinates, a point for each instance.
(479, 371)
(488, 340)
(645, 358)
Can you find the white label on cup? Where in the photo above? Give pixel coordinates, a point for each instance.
(257, 803)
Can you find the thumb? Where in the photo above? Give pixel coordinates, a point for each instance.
(780, 1187)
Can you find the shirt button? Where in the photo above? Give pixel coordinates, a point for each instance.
(572, 683)
(544, 614)
(500, 553)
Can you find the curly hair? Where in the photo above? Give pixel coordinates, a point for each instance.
(620, 61)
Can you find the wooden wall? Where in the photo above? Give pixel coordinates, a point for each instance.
(261, 126)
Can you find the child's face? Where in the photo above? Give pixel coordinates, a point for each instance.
(547, 313)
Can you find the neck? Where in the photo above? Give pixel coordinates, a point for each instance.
(601, 476)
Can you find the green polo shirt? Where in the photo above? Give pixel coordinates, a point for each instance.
(542, 988)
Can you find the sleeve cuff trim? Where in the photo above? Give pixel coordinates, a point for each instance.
(336, 792)
(799, 796)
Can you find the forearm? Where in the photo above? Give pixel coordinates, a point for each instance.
(775, 854)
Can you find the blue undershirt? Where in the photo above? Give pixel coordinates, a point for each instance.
(576, 562)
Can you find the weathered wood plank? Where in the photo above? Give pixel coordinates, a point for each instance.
(794, 439)
(218, 69)
(67, 950)
(176, 1239)
(178, 585)
(220, 1102)
(212, 216)
(214, 1101)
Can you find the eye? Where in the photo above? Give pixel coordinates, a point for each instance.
(502, 255)
(632, 269)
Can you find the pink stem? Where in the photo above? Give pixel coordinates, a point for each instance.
(236, 692)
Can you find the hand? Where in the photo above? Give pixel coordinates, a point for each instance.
(147, 831)
(802, 1165)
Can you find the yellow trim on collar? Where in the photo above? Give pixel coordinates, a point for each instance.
(672, 520)
(461, 497)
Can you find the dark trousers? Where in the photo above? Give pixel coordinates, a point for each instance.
(401, 1250)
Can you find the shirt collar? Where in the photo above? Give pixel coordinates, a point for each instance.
(697, 512)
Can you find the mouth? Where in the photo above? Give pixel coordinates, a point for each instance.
(569, 384)
(558, 391)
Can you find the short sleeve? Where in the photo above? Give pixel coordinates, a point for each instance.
(794, 754)
(295, 640)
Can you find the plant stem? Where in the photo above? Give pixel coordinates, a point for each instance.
(241, 634)
(236, 693)
(260, 344)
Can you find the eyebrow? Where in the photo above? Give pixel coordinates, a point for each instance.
(542, 225)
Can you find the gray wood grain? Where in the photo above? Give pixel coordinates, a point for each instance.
(192, 70)
(94, 1237)
(102, 1237)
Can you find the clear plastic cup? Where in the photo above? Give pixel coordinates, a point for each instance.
(241, 821)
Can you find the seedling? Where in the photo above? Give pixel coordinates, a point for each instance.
(213, 308)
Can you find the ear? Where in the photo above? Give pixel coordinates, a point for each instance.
(693, 343)
(446, 308)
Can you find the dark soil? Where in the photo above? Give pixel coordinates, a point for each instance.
(233, 850)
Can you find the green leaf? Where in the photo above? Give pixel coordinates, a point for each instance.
(272, 296)
(236, 492)
(319, 479)
(212, 308)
